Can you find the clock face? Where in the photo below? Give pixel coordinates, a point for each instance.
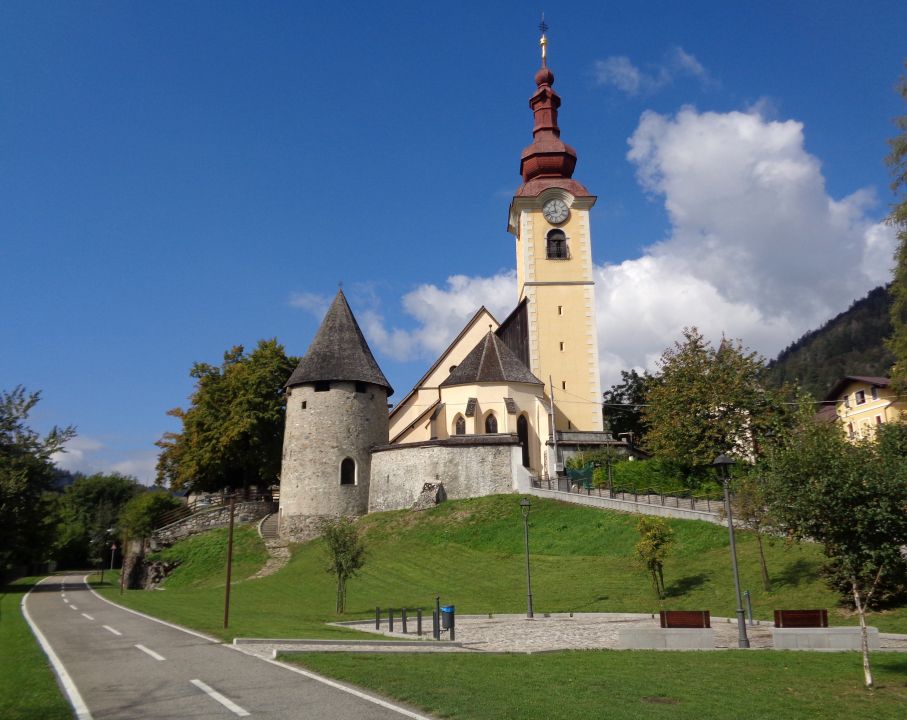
(555, 211)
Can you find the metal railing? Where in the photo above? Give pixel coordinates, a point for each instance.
(682, 498)
(208, 503)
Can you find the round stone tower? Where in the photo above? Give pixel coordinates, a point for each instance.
(336, 414)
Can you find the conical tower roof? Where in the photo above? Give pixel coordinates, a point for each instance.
(490, 361)
(339, 352)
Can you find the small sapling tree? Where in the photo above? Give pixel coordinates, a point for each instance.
(655, 539)
(751, 512)
(345, 551)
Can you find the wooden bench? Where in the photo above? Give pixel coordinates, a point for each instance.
(696, 619)
(801, 618)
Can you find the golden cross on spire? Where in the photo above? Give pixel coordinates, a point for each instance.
(543, 28)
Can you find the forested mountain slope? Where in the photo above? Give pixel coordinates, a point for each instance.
(850, 344)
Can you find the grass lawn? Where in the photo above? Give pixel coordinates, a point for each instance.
(629, 684)
(470, 552)
(28, 688)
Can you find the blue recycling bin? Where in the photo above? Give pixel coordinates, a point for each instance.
(447, 615)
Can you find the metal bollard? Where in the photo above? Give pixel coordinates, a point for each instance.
(435, 625)
(377, 618)
(390, 619)
(403, 620)
(419, 622)
(749, 603)
(437, 617)
(453, 626)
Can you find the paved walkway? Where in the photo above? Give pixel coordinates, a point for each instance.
(514, 633)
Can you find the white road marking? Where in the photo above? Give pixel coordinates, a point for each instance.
(69, 687)
(115, 632)
(73, 607)
(87, 616)
(226, 702)
(153, 654)
(291, 668)
(151, 617)
(66, 601)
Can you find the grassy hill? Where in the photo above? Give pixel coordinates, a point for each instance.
(470, 552)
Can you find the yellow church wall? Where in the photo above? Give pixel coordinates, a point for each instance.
(490, 399)
(407, 423)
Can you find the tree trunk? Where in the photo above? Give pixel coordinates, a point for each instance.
(340, 595)
(766, 581)
(655, 585)
(864, 634)
(661, 581)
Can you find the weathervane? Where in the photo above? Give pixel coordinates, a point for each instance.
(543, 28)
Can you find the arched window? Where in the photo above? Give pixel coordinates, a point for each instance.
(491, 424)
(348, 472)
(460, 425)
(522, 431)
(557, 245)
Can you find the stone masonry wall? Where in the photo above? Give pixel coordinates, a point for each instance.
(206, 520)
(323, 428)
(400, 471)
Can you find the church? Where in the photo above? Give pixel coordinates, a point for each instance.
(501, 408)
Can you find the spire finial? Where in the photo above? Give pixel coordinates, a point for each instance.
(543, 28)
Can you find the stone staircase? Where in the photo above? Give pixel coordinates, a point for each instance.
(278, 550)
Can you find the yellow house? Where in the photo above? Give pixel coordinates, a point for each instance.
(862, 403)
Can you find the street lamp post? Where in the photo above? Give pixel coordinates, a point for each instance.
(524, 506)
(722, 464)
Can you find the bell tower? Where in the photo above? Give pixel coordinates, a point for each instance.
(549, 217)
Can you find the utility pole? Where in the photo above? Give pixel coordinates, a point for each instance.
(229, 561)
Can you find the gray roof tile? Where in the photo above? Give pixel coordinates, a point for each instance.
(339, 352)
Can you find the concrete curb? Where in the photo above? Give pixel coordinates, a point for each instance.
(350, 643)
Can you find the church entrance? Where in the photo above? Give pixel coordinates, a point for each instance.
(522, 432)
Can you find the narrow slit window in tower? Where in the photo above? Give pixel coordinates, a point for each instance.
(348, 472)
(322, 386)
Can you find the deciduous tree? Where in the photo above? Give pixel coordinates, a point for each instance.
(849, 497)
(705, 401)
(345, 551)
(623, 404)
(897, 162)
(26, 477)
(655, 539)
(232, 433)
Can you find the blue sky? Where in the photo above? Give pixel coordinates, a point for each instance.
(178, 178)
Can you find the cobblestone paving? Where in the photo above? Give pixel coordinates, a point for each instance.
(515, 633)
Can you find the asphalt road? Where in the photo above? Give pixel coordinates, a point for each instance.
(114, 663)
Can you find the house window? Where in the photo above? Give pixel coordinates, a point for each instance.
(557, 245)
(360, 387)
(322, 386)
(563, 384)
(875, 393)
(491, 424)
(860, 397)
(562, 347)
(560, 309)
(460, 425)
(348, 472)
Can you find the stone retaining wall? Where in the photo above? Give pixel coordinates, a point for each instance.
(200, 522)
